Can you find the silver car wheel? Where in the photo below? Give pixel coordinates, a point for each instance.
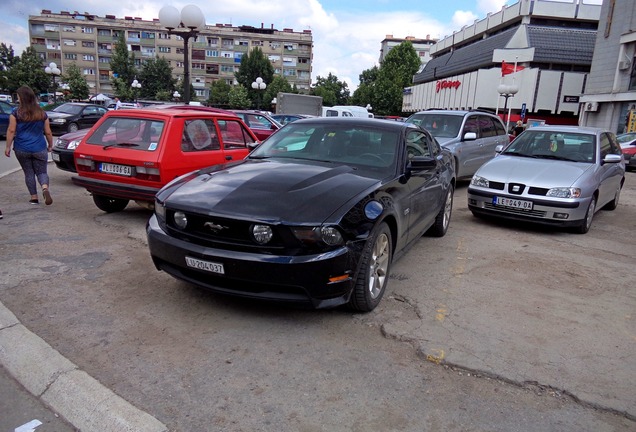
(590, 214)
(379, 265)
(448, 208)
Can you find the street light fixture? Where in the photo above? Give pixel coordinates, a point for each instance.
(176, 95)
(258, 85)
(186, 24)
(136, 85)
(507, 91)
(54, 71)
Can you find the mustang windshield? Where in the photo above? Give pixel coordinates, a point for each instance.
(577, 147)
(351, 145)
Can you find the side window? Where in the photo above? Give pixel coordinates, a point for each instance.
(199, 135)
(614, 145)
(471, 125)
(486, 127)
(500, 129)
(606, 147)
(234, 135)
(418, 144)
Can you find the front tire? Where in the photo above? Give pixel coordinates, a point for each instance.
(108, 204)
(442, 220)
(374, 270)
(73, 127)
(586, 223)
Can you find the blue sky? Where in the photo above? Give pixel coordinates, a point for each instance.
(346, 33)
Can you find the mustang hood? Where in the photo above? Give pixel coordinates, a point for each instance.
(270, 191)
(534, 172)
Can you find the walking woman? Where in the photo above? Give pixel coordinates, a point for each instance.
(30, 133)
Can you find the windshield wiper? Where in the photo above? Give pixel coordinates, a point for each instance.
(554, 157)
(124, 144)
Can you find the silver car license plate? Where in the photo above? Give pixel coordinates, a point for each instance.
(514, 203)
(205, 265)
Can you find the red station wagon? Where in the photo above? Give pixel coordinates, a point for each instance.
(131, 154)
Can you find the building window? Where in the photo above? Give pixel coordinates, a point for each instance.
(104, 60)
(289, 72)
(212, 69)
(68, 42)
(179, 64)
(103, 32)
(227, 68)
(257, 43)
(211, 53)
(228, 42)
(227, 54)
(163, 49)
(68, 56)
(88, 71)
(87, 29)
(69, 28)
(213, 41)
(164, 36)
(274, 45)
(88, 57)
(88, 44)
(242, 43)
(147, 35)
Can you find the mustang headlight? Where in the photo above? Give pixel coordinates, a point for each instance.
(262, 233)
(180, 219)
(480, 182)
(329, 235)
(564, 192)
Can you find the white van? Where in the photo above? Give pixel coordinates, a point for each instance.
(6, 98)
(336, 112)
(356, 111)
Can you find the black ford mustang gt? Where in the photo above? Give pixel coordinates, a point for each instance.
(315, 215)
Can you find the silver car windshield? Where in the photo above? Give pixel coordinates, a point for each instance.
(577, 147)
(439, 125)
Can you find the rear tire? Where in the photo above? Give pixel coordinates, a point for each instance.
(442, 220)
(586, 223)
(108, 204)
(374, 270)
(73, 127)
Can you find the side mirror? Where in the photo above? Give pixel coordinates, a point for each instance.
(612, 158)
(419, 163)
(470, 136)
(499, 149)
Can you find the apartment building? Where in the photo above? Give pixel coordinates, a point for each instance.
(88, 41)
(421, 46)
(552, 45)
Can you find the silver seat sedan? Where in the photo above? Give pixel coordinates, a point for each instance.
(557, 175)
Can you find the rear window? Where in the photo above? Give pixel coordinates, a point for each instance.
(138, 134)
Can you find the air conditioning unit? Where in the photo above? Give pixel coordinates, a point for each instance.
(591, 106)
(625, 64)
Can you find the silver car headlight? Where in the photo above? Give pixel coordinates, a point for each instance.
(564, 192)
(480, 181)
(58, 121)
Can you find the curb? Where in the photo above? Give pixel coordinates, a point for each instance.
(61, 385)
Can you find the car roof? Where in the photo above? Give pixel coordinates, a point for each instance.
(173, 112)
(456, 112)
(356, 121)
(570, 129)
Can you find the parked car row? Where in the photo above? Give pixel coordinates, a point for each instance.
(316, 214)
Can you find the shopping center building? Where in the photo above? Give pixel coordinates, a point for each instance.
(544, 49)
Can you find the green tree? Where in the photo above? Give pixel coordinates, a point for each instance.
(365, 93)
(7, 61)
(396, 72)
(122, 64)
(332, 91)
(219, 94)
(156, 79)
(278, 84)
(28, 70)
(238, 97)
(254, 64)
(78, 87)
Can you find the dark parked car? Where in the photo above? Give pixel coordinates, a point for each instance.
(627, 142)
(313, 216)
(259, 122)
(283, 119)
(5, 112)
(64, 148)
(71, 116)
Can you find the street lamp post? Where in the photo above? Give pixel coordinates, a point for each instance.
(507, 91)
(258, 85)
(136, 85)
(54, 71)
(176, 95)
(186, 24)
